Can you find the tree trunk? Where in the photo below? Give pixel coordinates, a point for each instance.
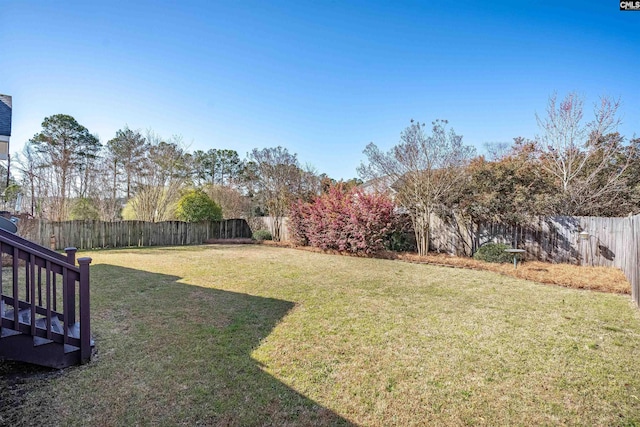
(33, 196)
(421, 229)
(63, 195)
(276, 228)
(115, 187)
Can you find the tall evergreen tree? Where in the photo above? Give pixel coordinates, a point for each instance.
(66, 147)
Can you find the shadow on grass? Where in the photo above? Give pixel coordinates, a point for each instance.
(170, 353)
(16, 379)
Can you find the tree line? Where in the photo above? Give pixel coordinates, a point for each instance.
(67, 173)
(577, 166)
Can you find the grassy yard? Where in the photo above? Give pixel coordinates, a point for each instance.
(257, 335)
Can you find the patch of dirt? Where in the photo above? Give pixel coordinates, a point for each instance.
(16, 380)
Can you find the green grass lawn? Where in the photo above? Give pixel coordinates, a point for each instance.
(255, 335)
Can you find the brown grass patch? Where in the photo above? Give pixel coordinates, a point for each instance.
(603, 279)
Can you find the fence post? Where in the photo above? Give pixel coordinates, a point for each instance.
(71, 255)
(631, 269)
(70, 304)
(85, 311)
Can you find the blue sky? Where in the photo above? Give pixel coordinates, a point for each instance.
(321, 78)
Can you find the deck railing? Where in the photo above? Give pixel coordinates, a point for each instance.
(42, 292)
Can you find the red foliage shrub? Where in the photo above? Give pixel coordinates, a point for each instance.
(299, 213)
(351, 221)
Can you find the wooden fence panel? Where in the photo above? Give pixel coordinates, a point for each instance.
(100, 234)
(272, 223)
(610, 242)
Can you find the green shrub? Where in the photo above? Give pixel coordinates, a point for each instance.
(495, 252)
(128, 212)
(84, 209)
(196, 206)
(401, 241)
(262, 235)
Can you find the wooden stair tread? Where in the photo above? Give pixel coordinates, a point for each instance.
(68, 348)
(24, 317)
(6, 332)
(38, 341)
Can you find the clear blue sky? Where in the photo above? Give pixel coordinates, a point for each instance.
(322, 78)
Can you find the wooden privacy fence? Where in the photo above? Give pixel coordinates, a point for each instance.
(595, 241)
(272, 223)
(117, 234)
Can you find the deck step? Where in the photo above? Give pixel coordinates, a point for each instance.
(68, 348)
(24, 316)
(74, 330)
(38, 341)
(56, 325)
(6, 332)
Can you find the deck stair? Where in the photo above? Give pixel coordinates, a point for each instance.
(44, 304)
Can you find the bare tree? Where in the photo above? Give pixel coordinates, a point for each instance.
(29, 165)
(310, 185)
(497, 150)
(424, 171)
(165, 175)
(584, 158)
(233, 203)
(104, 192)
(279, 181)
